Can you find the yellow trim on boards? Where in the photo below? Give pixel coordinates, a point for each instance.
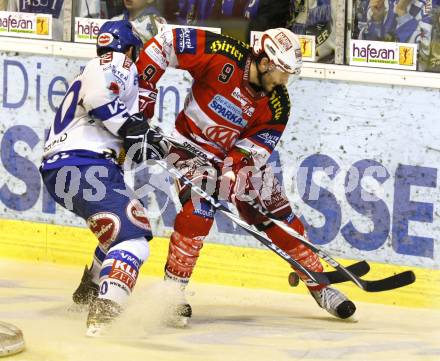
(218, 264)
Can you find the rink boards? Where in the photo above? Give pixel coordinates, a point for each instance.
(218, 264)
(360, 165)
(360, 161)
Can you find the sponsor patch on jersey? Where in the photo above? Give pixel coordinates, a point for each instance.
(280, 105)
(284, 41)
(155, 53)
(121, 266)
(269, 138)
(120, 75)
(186, 41)
(223, 45)
(124, 272)
(227, 110)
(105, 226)
(57, 141)
(106, 58)
(109, 110)
(137, 215)
(205, 210)
(244, 101)
(127, 63)
(223, 136)
(104, 39)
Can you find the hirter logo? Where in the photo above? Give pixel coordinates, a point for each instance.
(137, 214)
(105, 226)
(105, 39)
(223, 136)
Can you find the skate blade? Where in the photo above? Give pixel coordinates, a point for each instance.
(351, 319)
(178, 322)
(11, 339)
(96, 331)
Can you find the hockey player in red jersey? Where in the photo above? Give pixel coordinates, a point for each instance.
(235, 113)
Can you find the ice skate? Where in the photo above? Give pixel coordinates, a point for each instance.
(181, 316)
(87, 291)
(181, 311)
(101, 314)
(334, 302)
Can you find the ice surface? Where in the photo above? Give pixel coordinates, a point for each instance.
(228, 324)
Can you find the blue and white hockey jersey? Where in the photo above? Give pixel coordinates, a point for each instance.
(85, 128)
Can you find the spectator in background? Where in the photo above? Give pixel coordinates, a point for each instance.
(89, 9)
(268, 14)
(434, 54)
(403, 21)
(303, 17)
(317, 18)
(99, 8)
(52, 7)
(144, 15)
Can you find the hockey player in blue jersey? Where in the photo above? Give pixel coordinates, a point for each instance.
(81, 173)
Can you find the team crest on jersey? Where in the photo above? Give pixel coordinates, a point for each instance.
(105, 39)
(186, 41)
(137, 214)
(105, 226)
(227, 110)
(114, 87)
(223, 136)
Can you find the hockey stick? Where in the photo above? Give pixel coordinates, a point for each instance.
(359, 269)
(323, 278)
(385, 284)
(316, 277)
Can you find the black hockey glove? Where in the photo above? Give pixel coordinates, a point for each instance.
(140, 141)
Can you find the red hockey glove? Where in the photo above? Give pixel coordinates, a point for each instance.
(236, 172)
(147, 101)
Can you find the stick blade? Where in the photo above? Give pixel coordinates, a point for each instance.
(359, 269)
(390, 283)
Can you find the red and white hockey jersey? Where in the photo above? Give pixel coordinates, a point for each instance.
(222, 111)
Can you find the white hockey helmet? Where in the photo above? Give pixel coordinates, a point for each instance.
(283, 49)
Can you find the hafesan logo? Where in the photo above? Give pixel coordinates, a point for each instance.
(306, 47)
(406, 55)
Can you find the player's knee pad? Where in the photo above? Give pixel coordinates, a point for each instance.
(195, 220)
(120, 269)
(182, 255)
